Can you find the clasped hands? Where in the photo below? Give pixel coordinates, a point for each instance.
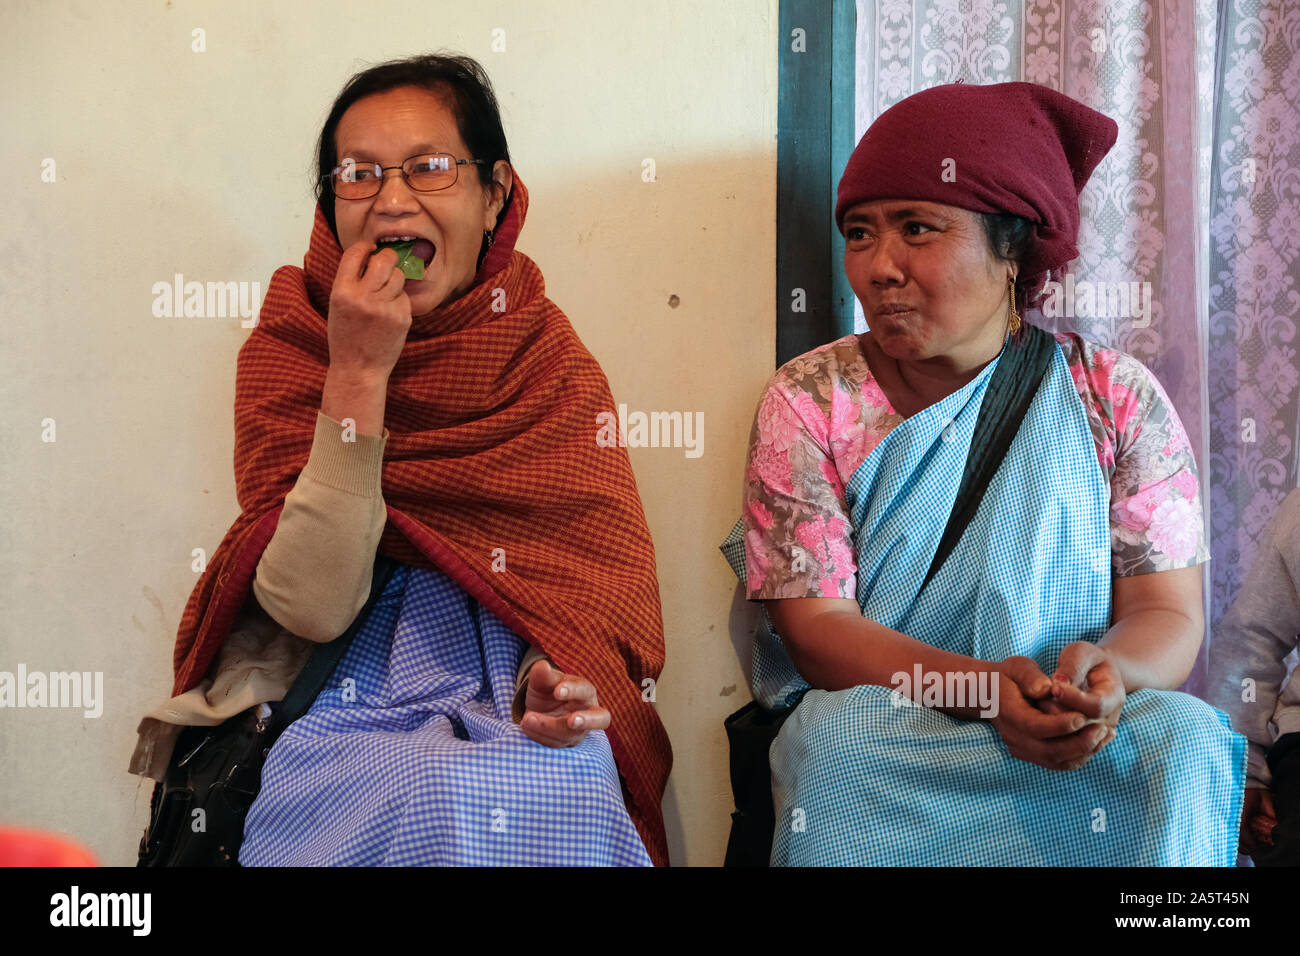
(560, 709)
(1063, 721)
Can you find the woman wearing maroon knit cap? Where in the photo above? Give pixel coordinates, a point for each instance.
(977, 544)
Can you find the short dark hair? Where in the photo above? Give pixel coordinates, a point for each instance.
(1011, 238)
(468, 91)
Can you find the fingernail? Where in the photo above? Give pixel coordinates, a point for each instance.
(577, 722)
(562, 692)
(1077, 724)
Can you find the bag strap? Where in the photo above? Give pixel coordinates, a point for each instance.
(1013, 386)
(311, 679)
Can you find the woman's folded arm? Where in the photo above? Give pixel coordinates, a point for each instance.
(315, 574)
(1156, 627)
(834, 647)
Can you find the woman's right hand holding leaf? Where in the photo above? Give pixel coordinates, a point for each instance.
(370, 313)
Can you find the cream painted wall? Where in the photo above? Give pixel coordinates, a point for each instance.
(169, 160)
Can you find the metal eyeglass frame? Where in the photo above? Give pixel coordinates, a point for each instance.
(379, 180)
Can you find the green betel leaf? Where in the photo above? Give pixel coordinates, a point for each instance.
(412, 266)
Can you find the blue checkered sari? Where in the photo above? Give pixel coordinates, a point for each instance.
(409, 757)
(856, 780)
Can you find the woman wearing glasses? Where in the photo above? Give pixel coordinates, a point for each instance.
(411, 391)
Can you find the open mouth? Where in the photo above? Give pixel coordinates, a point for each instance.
(414, 254)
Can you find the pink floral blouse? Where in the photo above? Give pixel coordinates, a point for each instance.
(823, 413)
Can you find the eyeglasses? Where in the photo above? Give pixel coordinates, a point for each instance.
(425, 173)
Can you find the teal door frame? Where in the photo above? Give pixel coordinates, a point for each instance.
(815, 126)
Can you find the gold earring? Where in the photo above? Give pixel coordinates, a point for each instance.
(1014, 321)
(488, 237)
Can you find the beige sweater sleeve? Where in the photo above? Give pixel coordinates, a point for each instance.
(314, 576)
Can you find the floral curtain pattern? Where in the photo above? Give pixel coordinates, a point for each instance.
(1186, 268)
(1254, 296)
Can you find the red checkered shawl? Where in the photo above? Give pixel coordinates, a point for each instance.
(492, 445)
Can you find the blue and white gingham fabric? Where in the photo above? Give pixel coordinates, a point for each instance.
(773, 681)
(409, 757)
(859, 781)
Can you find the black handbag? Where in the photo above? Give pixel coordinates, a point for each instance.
(196, 814)
(750, 733)
(752, 729)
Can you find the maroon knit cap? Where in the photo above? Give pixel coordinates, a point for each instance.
(1016, 148)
